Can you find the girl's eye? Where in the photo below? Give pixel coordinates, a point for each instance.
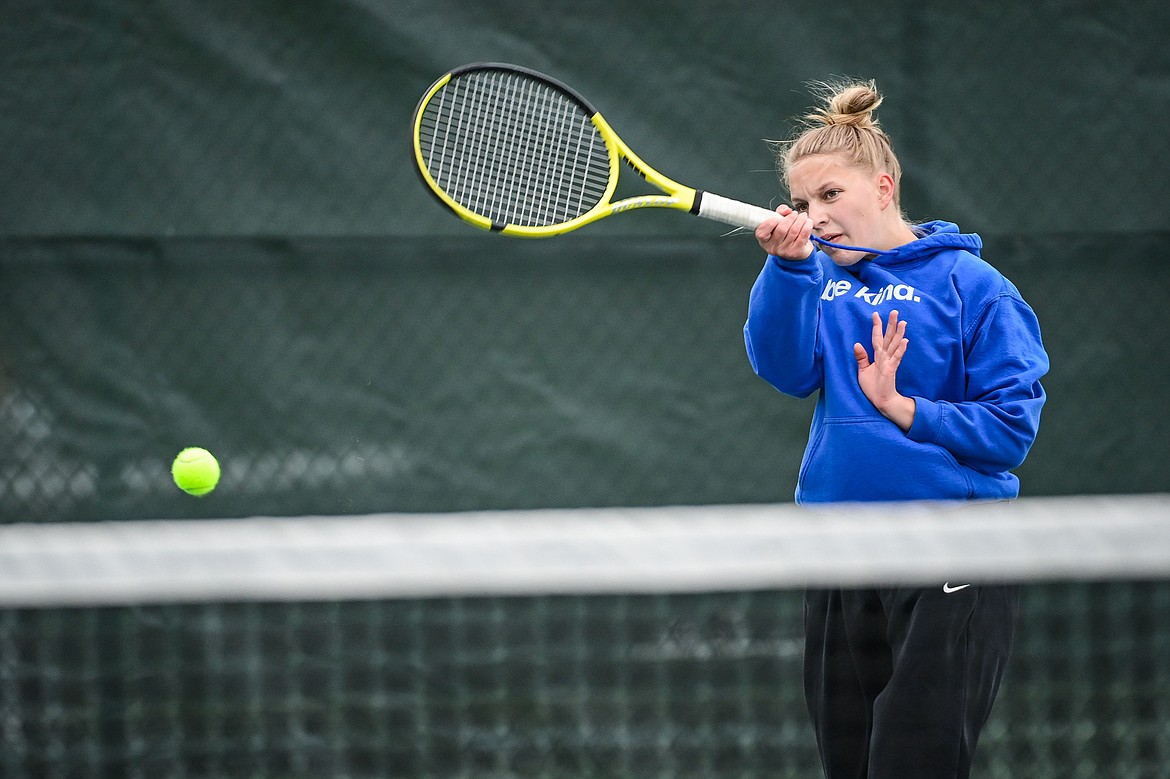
(801, 207)
(831, 193)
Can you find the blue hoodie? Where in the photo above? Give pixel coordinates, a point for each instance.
(973, 367)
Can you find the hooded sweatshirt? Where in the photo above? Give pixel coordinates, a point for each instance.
(973, 367)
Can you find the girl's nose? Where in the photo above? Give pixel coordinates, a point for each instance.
(817, 216)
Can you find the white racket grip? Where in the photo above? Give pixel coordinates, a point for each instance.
(732, 212)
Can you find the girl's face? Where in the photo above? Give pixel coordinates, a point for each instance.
(845, 203)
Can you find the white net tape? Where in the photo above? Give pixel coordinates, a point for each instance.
(675, 549)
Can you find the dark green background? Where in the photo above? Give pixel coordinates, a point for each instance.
(355, 375)
(215, 237)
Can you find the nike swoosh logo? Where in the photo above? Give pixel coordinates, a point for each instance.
(948, 589)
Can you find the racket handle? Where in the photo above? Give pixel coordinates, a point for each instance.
(732, 212)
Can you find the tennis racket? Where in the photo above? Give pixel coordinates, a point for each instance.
(517, 152)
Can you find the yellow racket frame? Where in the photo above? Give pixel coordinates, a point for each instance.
(677, 196)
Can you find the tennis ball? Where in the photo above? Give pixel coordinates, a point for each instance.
(195, 470)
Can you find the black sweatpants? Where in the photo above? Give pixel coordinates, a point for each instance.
(899, 682)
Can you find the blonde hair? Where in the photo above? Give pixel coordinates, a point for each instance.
(844, 126)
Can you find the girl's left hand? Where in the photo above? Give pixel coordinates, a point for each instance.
(877, 378)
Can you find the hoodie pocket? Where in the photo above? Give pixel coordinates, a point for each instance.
(867, 459)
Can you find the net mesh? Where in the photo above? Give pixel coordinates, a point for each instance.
(648, 674)
(513, 148)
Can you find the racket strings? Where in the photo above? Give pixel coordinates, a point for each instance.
(514, 149)
(503, 165)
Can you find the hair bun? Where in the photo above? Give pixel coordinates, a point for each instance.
(850, 104)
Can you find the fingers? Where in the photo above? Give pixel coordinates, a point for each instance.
(861, 356)
(889, 344)
(787, 223)
(787, 235)
(765, 229)
(896, 330)
(893, 331)
(899, 352)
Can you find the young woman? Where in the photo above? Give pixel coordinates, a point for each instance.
(943, 403)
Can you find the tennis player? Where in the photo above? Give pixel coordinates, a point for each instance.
(928, 363)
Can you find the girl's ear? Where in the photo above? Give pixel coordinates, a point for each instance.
(885, 185)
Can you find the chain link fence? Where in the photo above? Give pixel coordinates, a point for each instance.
(342, 377)
(482, 373)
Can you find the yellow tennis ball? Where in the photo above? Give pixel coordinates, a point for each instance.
(195, 470)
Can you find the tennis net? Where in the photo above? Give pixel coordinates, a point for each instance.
(593, 643)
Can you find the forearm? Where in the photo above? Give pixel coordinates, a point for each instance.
(899, 410)
(992, 437)
(781, 329)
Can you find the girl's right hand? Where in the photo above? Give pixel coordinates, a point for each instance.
(787, 235)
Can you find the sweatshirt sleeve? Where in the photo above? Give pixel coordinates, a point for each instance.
(782, 324)
(993, 428)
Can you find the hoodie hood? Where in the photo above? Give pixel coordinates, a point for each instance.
(934, 237)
